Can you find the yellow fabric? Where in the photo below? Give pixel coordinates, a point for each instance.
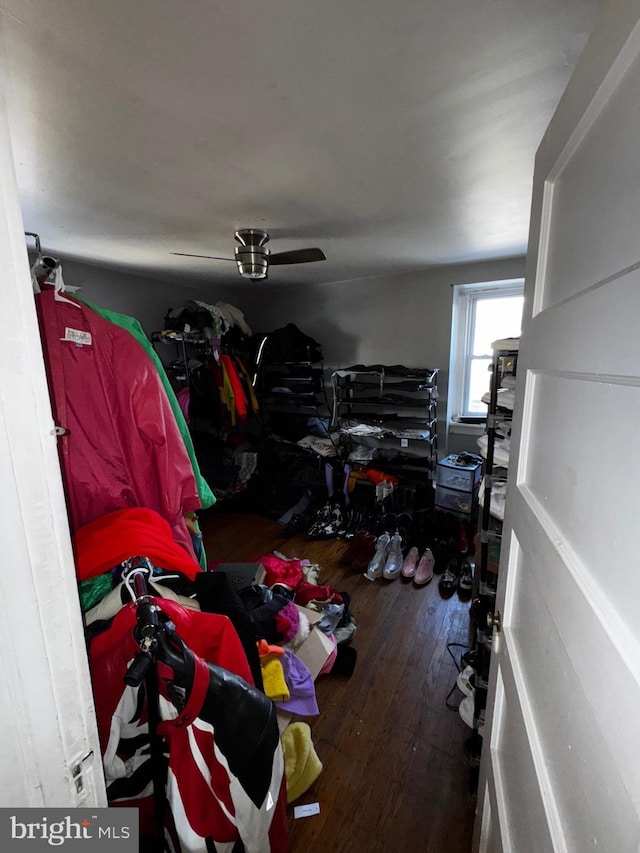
(301, 763)
(273, 679)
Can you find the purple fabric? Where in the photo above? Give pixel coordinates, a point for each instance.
(302, 690)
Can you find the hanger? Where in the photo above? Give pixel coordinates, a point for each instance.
(48, 270)
(60, 287)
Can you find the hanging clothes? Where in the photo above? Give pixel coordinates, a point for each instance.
(225, 767)
(226, 392)
(246, 380)
(239, 398)
(121, 446)
(207, 498)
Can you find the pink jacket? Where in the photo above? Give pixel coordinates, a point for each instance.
(122, 447)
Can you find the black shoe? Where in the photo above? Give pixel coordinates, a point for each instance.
(296, 524)
(469, 658)
(448, 583)
(321, 519)
(465, 580)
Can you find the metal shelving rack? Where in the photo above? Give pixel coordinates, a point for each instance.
(400, 404)
(504, 362)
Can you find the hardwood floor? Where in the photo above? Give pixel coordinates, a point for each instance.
(395, 777)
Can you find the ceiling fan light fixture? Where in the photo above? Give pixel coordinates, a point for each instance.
(253, 258)
(252, 262)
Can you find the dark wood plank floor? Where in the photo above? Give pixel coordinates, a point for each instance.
(395, 777)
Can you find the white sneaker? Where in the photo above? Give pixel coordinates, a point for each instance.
(393, 563)
(464, 680)
(467, 709)
(374, 570)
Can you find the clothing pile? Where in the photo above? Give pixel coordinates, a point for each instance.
(225, 779)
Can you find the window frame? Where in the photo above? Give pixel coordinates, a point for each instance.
(465, 299)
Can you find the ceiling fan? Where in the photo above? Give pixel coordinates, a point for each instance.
(254, 259)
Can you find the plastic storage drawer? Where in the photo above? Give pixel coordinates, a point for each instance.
(452, 475)
(454, 500)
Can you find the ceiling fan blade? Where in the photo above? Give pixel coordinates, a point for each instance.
(297, 256)
(208, 257)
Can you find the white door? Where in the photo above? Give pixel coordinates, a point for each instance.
(561, 758)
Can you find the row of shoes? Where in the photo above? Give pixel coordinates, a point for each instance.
(333, 521)
(389, 562)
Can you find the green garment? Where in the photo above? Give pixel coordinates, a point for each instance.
(131, 325)
(94, 590)
(207, 498)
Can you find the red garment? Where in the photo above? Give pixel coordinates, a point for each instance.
(123, 447)
(204, 796)
(238, 391)
(131, 532)
(287, 572)
(306, 592)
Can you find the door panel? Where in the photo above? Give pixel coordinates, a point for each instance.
(515, 777)
(561, 771)
(579, 471)
(614, 306)
(593, 225)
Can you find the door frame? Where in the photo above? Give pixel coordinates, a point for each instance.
(50, 755)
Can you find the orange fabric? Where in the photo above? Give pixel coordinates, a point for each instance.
(265, 649)
(379, 476)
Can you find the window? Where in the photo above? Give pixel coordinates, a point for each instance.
(482, 313)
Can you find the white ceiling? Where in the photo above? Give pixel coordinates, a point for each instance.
(393, 134)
